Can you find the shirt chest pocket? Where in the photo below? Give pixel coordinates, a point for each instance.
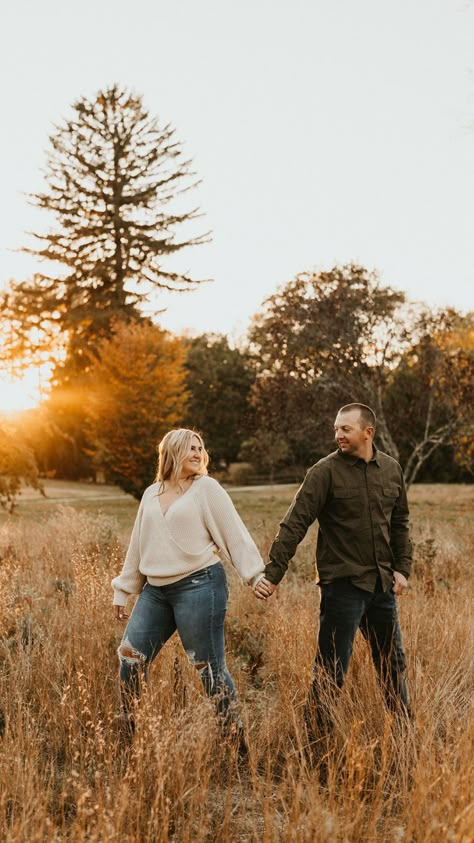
(343, 494)
(391, 492)
(346, 503)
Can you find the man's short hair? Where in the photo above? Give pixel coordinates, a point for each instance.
(367, 416)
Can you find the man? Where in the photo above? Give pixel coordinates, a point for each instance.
(363, 555)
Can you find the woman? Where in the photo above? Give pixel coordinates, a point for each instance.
(183, 519)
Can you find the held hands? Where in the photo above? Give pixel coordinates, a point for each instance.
(264, 589)
(400, 584)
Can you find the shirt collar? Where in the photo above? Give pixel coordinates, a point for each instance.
(352, 460)
(376, 455)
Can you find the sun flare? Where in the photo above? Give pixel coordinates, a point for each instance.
(19, 394)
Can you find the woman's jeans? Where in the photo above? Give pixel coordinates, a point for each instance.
(195, 606)
(345, 609)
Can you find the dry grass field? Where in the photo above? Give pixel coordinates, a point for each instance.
(66, 775)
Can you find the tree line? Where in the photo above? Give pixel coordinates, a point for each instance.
(117, 184)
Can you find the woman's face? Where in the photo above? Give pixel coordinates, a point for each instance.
(193, 459)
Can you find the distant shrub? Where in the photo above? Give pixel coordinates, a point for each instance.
(17, 467)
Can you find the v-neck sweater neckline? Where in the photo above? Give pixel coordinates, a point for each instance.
(176, 501)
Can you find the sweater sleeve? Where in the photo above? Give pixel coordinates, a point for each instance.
(131, 580)
(230, 534)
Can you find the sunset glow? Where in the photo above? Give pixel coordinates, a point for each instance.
(20, 394)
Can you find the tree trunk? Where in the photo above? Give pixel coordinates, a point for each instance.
(383, 432)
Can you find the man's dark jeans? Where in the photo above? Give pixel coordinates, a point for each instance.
(345, 609)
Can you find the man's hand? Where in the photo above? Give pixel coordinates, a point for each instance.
(400, 583)
(264, 589)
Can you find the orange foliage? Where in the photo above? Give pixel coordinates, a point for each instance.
(136, 394)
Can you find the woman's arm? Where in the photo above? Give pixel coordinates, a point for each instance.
(130, 580)
(230, 533)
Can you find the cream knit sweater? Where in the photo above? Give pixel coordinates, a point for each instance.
(166, 548)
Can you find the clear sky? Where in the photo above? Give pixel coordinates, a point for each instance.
(325, 131)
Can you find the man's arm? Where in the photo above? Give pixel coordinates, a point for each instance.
(400, 533)
(307, 504)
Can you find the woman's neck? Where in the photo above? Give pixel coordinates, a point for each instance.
(180, 485)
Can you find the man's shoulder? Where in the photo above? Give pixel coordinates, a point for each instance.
(324, 465)
(388, 461)
(334, 455)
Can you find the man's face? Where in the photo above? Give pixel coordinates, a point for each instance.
(350, 437)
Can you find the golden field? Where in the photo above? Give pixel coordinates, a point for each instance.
(66, 775)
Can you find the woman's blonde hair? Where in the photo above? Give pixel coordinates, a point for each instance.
(172, 450)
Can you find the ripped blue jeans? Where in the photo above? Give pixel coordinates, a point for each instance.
(195, 606)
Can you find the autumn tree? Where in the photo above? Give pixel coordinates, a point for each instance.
(17, 466)
(136, 392)
(331, 338)
(326, 338)
(430, 397)
(266, 450)
(114, 177)
(117, 183)
(219, 379)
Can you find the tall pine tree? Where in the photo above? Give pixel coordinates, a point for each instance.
(114, 178)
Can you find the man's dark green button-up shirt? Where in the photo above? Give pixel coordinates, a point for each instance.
(362, 511)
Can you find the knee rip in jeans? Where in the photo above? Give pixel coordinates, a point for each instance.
(201, 667)
(129, 654)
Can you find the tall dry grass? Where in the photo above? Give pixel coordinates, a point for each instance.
(66, 773)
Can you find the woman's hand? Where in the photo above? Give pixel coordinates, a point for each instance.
(120, 614)
(264, 589)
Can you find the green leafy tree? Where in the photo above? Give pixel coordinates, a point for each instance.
(136, 392)
(266, 450)
(17, 466)
(219, 380)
